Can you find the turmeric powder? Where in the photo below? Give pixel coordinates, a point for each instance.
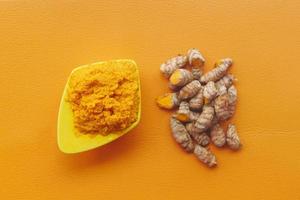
(104, 98)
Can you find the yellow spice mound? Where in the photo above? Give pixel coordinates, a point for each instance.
(104, 97)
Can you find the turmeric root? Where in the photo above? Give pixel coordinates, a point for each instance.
(221, 90)
(197, 73)
(232, 92)
(172, 64)
(225, 104)
(222, 107)
(226, 81)
(195, 58)
(232, 138)
(215, 120)
(205, 119)
(168, 101)
(197, 101)
(181, 135)
(183, 113)
(217, 135)
(204, 101)
(181, 77)
(210, 91)
(189, 90)
(205, 156)
(201, 138)
(194, 115)
(173, 87)
(218, 72)
(192, 130)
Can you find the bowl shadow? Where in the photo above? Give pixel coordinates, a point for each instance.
(118, 148)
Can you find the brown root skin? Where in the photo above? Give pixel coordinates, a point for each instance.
(202, 139)
(205, 119)
(232, 138)
(210, 91)
(225, 104)
(218, 136)
(168, 101)
(189, 90)
(194, 116)
(197, 101)
(195, 58)
(173, 87)
(224, 84)
(221, 90)
(222, 107)
(181, 77)
(226, 81)
(181, 135)
(232, 92)
(205, 156)
(215, 120)
(197, 73)
(172, 64)
(183, 113)
(218, 72)
(190, 127)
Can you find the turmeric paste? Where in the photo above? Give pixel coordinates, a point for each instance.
(104, 97)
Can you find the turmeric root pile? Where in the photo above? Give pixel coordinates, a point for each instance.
(203, 101)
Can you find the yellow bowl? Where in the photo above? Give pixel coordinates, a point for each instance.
(69, 139)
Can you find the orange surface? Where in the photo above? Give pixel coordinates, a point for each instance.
(42, 42)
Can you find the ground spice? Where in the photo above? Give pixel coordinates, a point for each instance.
(104, 97)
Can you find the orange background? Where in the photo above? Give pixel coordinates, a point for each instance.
(41, 42)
